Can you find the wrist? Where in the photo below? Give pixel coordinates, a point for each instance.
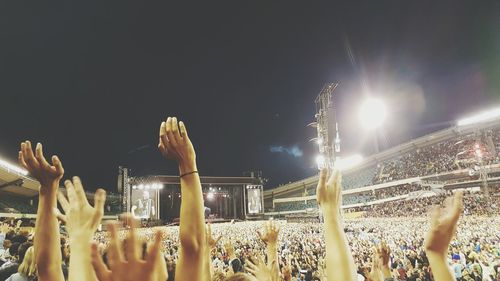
(187, 167)
(49, 189)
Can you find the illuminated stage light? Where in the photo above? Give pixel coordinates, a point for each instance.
(372, 113)
(141, 186)
(210, 196)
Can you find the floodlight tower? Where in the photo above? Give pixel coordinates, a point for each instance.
(327, 127)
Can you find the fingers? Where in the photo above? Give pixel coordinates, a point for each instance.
(435, 214)
(100, 268)
(335, 178)
(218, 239)
(115, 254)
(28, 154)
(99, 200)
(163, 134)
(20, 157)
(56, 162)
(154, 253)
(322, 178)
(80, 193)
(170, 131)
(175, 128)
(183, 130)
(60, 216)
(63, 201)
(39, 156)
(458, 206)
(133, 245)
(260, 235)
(70, 190)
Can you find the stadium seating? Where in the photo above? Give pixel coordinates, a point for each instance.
(15, 204)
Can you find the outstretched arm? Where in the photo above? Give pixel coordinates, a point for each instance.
(175, 144)
(443, 227)
(81, 222)
(47, 242)
(270, 237)
(340, 264)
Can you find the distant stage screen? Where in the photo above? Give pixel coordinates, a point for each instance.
(254, 201)
(143, 203)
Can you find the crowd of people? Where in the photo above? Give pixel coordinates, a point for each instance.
(446, 156)
(362, 249)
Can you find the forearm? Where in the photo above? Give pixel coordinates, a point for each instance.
(208, 268)
(272, 255)
(340, 264)
(47, 242)
(439, 267)
(80, 265)
(192, 226)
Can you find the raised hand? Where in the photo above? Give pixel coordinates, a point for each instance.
(131, 268)
(81, 218)
(270, 235)
(211, 242)
(175, 144)
(380, 267)
(257, 268)
(47, 239)
(329, 193)
(36, 164)
(81, 222)
(444, 225)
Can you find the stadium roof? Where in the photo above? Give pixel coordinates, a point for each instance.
(14, 180)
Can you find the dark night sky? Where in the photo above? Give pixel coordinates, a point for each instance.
(92, 80)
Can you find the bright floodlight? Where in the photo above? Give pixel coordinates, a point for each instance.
(372, 113)
(210, 195)
(481, 117)
(348, 162)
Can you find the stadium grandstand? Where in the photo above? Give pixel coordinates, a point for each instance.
(19, 194)
(463, 156)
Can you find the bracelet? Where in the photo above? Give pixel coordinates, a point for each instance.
(189, 173)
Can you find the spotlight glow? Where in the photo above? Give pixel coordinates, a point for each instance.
(348, 162)
(320, 161)
(372, 113)
(210, 196)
